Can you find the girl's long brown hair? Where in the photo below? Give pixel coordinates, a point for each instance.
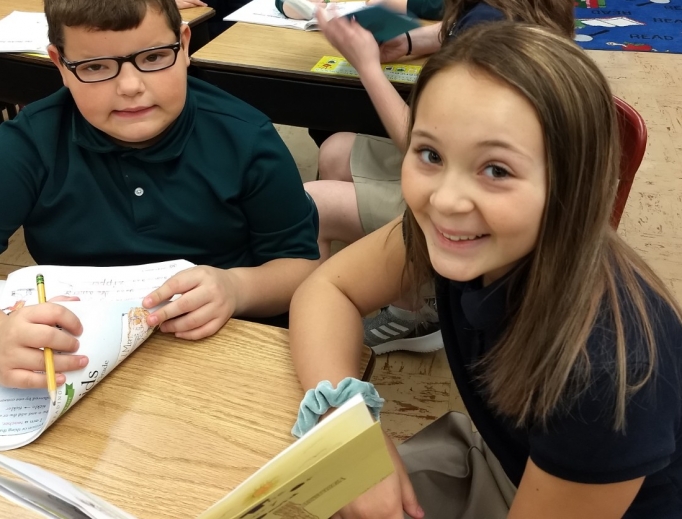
(580, 269)
(556, 15)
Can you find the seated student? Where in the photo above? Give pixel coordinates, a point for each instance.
(133, 162)
(359, 186)
(565, 347)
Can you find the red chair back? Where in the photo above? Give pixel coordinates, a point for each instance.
(633, 144)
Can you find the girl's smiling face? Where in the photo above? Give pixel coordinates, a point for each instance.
(475, 175)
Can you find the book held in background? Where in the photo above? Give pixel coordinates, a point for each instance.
(114, 325)
(383, 23)
(335, 462)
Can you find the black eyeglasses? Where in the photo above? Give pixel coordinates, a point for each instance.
(102, 69)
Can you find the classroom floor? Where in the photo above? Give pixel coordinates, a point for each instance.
(419, 388)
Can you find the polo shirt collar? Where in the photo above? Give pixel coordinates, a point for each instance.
(485, 307)
(171, 145)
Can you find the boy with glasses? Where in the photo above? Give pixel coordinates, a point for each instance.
(133, 162)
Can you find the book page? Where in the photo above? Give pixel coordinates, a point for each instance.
(112, 330)
(264, 12)
(342, 454)
(56, 489)
(88, 283)
(24, 32)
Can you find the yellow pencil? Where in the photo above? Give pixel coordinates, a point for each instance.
(49, 359)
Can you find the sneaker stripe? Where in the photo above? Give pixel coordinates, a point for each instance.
(397, 326)
(388, 330)
(380, 335)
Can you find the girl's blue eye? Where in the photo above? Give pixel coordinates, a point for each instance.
(496, 172)
(429, 156)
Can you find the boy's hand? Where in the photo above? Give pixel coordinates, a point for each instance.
(356, 43)
(25, 331)
(387, 499)
(393, 49)
(186, 4)
(208, 299)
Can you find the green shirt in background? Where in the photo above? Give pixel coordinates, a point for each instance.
(220, 188)
(426, 9)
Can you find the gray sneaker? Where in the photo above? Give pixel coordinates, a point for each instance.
(387, 332)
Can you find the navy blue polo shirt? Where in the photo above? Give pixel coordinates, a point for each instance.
(474, 15)
(220, 188)
(578, 444)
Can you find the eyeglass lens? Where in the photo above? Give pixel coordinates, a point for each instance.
(103, 69)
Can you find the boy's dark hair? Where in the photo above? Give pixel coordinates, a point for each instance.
(104, 15)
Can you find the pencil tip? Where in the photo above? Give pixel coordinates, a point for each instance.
(53, 397)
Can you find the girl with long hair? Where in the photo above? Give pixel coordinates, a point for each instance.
(564, 345)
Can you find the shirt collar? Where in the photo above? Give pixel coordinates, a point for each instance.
(486, 307)
(169, 147)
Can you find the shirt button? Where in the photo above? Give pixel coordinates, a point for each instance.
(139, 191)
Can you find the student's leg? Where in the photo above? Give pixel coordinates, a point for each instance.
(338, 209)
(334, 158)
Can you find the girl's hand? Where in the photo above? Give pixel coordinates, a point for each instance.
(207, 301)
(25, 331)
(186, 4)
(356, 44)
(387, 499)
(399, 6)
(393, 49)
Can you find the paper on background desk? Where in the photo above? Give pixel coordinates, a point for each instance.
(264, 12)
(24, 32)
(395, 72)
(114, 325)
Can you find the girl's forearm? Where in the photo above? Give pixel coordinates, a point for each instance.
(392, 109)
(426, 40)
(326, 333)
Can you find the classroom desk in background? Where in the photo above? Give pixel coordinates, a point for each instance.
(269, 68)
(179, 424)
(25, 78)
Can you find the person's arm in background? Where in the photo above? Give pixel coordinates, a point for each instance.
(187, 4)
(361, 50)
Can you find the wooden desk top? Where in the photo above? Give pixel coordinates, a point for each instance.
(192, 16)
(177, 425)
(260, 49)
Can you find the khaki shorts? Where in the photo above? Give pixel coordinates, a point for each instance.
(375, 164)
(454, 473)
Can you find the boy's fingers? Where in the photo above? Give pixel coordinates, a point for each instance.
(189, 321)
(189, 302)
(206, 330)
(178, 284)
(52, 314)
(34, 360)
(42, 336)
(23, 379)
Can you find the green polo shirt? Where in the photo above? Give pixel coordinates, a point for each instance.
(220, 188)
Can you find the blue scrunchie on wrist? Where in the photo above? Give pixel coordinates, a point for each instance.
(318, 401)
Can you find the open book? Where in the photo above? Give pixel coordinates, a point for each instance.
(264, 12)
(338, 460)
(24, 32)
(114, 325)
